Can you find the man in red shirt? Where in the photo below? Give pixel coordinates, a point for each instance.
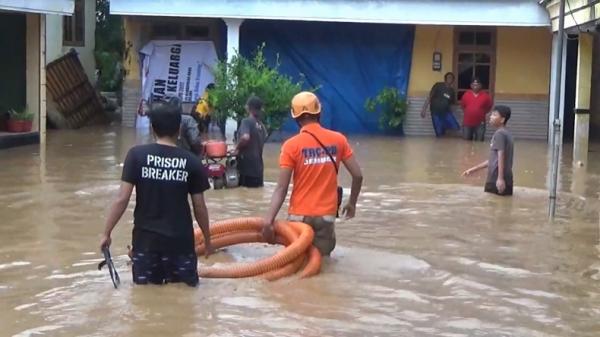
(476, 104)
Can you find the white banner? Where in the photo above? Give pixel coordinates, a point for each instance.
(177, 68)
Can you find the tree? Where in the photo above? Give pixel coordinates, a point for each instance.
(242, 77)
(109, 48)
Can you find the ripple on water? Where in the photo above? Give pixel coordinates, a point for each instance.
(14, 264)
(38, 331)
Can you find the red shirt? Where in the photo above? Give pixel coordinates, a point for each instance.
(475, 107)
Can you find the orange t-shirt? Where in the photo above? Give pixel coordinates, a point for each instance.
(315, 180)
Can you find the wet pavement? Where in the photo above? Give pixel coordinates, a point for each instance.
(429, 254)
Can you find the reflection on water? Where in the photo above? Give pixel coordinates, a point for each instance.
(429, 254)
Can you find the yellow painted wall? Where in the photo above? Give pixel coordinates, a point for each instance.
(427, 40)
(137, 34)
(523, 61)
(133, 43)
(584, 71)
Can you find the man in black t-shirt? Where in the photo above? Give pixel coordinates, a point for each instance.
(440, 100)
(163, 176)
(252, 135)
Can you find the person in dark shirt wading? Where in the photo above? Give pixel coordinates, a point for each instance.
(163, 176)
(500, 175)
(252, 135)
(440, 100)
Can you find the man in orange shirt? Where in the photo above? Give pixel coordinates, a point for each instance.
(313, 158)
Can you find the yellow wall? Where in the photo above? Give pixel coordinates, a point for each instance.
(584, 71)
(427, 40)
(523, 61)
(133, 43)
(137, 34)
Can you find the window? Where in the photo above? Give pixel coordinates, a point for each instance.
(474, 56)
(74, 26)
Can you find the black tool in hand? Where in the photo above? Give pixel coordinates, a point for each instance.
(116, 280)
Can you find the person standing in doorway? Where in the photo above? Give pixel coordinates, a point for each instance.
(476, 104)
(249, 149)
(440, 100)
(163, 176)
(499, 175)
(313, 158)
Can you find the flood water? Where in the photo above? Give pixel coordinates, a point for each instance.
(429, 254)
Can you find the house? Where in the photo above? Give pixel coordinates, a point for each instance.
(352, 49)
(579, 111)
(76, 31)
(23, 84)
(39, 32)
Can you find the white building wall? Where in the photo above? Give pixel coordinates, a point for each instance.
(54, 35)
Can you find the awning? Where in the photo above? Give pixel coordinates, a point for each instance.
(582, 15)
(61, 7)
(423, 12)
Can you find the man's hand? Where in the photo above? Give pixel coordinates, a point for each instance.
(268, 232)
(208, 249)
(500, 185)
(105, 241)
(423, 113)
(468, 172)
(349, 211)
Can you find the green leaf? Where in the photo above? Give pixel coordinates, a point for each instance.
(390, 105)
(241, 77)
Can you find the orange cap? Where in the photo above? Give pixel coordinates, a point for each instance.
(305, 102)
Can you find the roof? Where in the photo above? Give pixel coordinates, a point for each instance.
(61, 7)
(426, 12)
(581, 15)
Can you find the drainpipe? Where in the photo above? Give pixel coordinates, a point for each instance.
(556, 133)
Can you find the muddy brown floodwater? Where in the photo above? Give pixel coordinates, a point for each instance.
(429, 254)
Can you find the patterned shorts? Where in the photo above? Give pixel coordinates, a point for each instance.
(324, 227)
(157, 268)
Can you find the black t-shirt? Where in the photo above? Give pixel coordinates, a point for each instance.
(442, 98)
(250, 160)
(163, 177)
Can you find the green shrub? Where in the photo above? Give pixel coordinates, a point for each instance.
(242, 77)
(391, 105)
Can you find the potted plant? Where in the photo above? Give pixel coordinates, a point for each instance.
(392, 107)
(19, 120)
